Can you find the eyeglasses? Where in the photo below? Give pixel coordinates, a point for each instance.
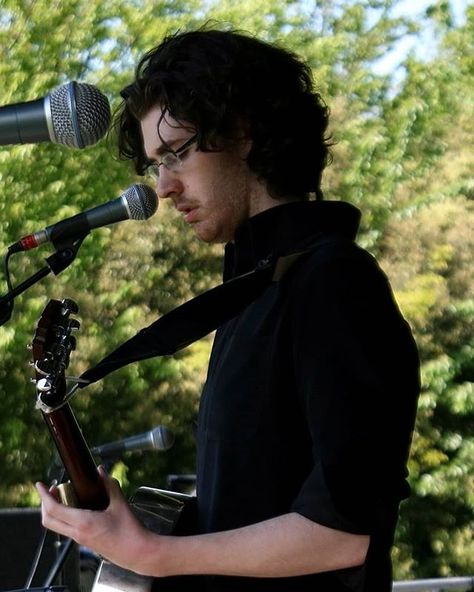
(172, 160)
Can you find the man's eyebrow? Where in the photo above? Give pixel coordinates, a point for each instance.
(167, 146)
(155, 154)
(162, 149)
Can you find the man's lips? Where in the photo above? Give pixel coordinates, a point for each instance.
(189, 212)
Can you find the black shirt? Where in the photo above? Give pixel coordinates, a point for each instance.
(310, 398)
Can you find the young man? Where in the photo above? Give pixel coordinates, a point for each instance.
(308, 409)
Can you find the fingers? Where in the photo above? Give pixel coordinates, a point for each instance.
(51, 502)
(42, 489)
(112, 485)
(54, 514)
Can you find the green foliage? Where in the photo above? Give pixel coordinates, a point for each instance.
(43, 183)
(429, 255)
(402, 151)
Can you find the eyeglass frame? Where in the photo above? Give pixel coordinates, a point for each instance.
(153, 169)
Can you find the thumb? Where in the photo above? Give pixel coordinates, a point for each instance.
(112, 485)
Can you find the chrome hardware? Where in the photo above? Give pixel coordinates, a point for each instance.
(43, 385)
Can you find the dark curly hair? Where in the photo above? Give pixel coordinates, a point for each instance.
(221, 82)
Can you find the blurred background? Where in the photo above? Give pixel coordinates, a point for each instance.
(398, 77)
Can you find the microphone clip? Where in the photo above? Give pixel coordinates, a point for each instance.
(66, 252)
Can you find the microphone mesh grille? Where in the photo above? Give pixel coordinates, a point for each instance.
(142, 201)
(92, 110)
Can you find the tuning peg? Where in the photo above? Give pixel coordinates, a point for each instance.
(74, 324)
(69, 306)
(43, 367)
(43, 385)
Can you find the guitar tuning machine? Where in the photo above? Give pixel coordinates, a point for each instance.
(74, 325)
(43, 385)
(38, 368)
(69, 306)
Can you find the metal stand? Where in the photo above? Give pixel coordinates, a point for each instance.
(67, 546)
(65, 254)
(42, 589)
(57, 262)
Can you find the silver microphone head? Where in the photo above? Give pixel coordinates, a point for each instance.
(141, 201)
(162, 438)
(77, 114)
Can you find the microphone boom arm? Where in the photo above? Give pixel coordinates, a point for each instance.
(63, 257)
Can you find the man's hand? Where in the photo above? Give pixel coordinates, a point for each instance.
(114, 533)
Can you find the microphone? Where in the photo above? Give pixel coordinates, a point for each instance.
(75, 115)
(138, 202)
(159, 438)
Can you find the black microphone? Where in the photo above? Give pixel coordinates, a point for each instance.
(159, 438)
(138, 202)
(75, 115)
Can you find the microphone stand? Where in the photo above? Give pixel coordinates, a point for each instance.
(62, 555)
(63, 546)
(63, 257)
(66, 252)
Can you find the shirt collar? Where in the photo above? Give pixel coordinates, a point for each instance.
(285, 229)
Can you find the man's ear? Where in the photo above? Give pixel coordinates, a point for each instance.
(245, 145)
(244, 139)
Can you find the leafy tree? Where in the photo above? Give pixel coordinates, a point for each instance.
(43, 53)
(429, 255)
(402, 152)
(427, 251)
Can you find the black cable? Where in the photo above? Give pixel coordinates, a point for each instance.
(36, 560)
(6, 309)
(7, 271)
(42, 542)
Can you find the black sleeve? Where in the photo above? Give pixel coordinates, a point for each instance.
(357, 374)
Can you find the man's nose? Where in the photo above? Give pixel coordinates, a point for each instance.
(168, 184)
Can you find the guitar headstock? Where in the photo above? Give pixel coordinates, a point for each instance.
(51, 347)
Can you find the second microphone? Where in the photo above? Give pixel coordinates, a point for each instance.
(138, 202)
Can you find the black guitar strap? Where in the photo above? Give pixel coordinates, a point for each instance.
(198, 317)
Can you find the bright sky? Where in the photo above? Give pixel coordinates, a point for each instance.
(414, 7)
(421, 43)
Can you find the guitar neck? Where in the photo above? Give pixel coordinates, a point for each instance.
(77, 459)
